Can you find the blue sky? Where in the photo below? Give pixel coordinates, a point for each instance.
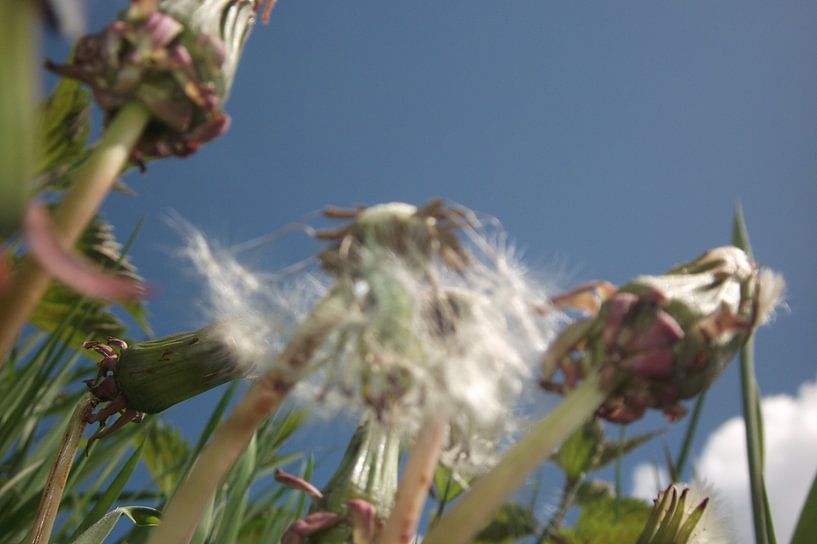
(611, 140)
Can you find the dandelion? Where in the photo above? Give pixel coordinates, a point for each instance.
(455, 334)
(177, 60)
(421, 327)
(667, 338)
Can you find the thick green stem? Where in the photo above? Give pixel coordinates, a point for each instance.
(90, 183)
(414, 484)
(368, 471)
(52, 494)
(465, 520)
(185, 509)
(19, 40)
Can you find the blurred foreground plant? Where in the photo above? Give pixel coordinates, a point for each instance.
(161, 74)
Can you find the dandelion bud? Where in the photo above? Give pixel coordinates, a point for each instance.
(178, 61)
(685, 515)
(149, 377)
(667, 338)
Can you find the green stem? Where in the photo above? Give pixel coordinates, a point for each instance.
(90, 183)
(619, 454)
(55, 485)
(569, 492)
(465, 520)
(367, 471)
(686, 447)
(19, 39)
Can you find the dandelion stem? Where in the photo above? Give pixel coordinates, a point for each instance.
(185, 509)
(569, 492)
(55, 485)
(90, 183)
(475, 509)
(414, 485)
(19, 38)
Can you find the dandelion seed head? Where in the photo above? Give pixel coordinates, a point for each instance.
(432, 339)
(439, 317)
(771, 294)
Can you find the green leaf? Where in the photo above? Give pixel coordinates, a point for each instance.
(592, 491)
(140, 515)
(511, 523)
(112, 493)
(210, 427)
(579, 452)
(605, 519)
(164, 455)
(58, 301)
(236, 495)
(98, 244)
(448, 485)
(61, 132)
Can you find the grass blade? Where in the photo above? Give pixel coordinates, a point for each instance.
(140, 515)
(751, 410)
(686, 446)
(111, 494)
(806, 530)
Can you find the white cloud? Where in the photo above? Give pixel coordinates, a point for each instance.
(790, 431)
(648, 480)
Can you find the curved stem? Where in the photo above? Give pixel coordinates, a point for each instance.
(183, 512)
(414, 485)
(465, 520)
(90, 183)
(55, 485)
